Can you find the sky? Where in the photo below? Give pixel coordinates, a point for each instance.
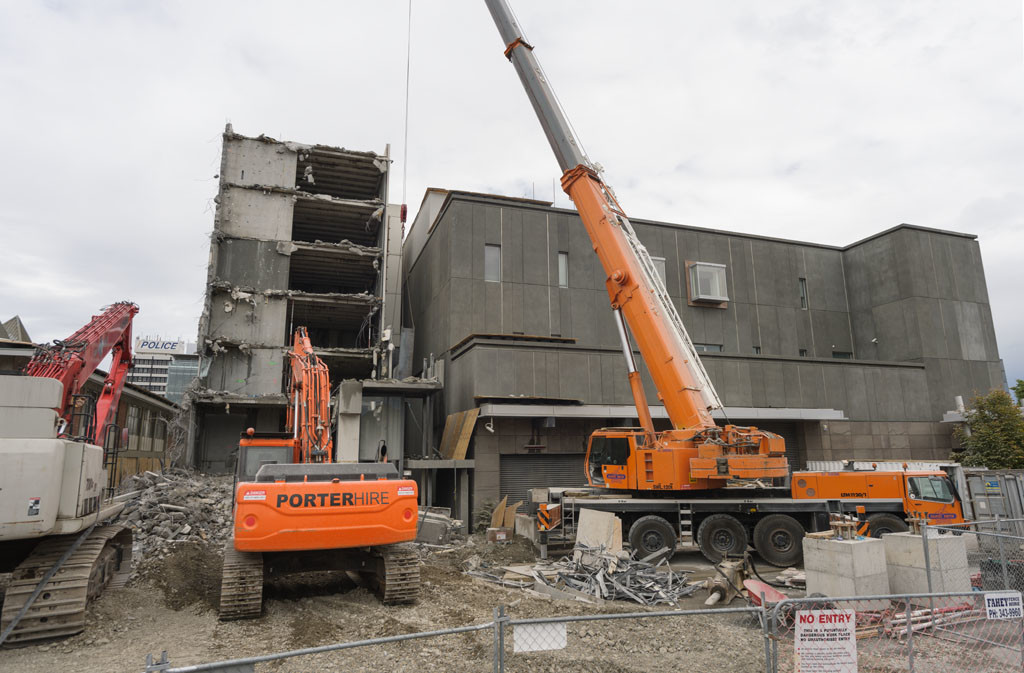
(823, 121)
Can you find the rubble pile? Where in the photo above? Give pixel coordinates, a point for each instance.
(619, 577)
(594, 576)
(177, 506)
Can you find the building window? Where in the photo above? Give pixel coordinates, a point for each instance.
(803, 293)
(563, 269)
(133, 428)
(803, 352)
(757, 350)
(492, 263)
(659, 266)
(146, 432)
(842, 355)
(707, 282)
(708, 348)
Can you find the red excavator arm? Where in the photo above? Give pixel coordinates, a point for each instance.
(309, 414)
(74, 359)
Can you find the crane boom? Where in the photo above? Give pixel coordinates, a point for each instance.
(634, 286)
(696, 453)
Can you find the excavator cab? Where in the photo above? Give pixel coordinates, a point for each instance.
(258, 449)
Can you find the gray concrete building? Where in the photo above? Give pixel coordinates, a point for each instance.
(302, 236)
(851, 352)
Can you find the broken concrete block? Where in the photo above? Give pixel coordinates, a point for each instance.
(597, 530)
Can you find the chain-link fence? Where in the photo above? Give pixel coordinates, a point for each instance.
(724, 639)
(978, 556)
(971, 631)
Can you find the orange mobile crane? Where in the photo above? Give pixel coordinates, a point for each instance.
(296, 510)
(696, 454)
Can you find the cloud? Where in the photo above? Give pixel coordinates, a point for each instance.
(810, 120)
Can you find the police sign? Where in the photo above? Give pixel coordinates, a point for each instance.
(151, 345)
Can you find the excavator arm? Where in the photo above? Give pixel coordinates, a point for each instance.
(74, 359)
(309, 414)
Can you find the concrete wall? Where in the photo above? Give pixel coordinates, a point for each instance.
(920, 293)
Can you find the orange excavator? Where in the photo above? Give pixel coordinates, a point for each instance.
(674, 481)
(296, 510)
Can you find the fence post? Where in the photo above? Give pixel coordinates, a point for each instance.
(501, 639)
(927, 559)
(497, 649)
(1003, 563)
(765, 636)
(775, 637)
(910, 633)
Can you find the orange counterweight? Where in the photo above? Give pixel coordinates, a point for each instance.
(293, 516)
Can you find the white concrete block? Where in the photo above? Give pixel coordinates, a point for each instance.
(845, 567)
(947, 560)
(30, 391)
(28, 423)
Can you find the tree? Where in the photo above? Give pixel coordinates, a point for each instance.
(993, 436)
(1018, 390)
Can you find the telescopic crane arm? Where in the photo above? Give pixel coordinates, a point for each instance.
(634, 287)
(74, 359)
(704, 455)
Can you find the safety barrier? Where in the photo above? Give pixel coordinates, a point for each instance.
(978, 556)
(949, 632)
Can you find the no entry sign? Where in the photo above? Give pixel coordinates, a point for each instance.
(826, 641)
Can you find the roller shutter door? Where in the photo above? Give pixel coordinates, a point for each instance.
(794, 450)
(520, 473)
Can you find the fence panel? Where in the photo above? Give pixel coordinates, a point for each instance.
(994, 556)
(727, 640)
(947, 633)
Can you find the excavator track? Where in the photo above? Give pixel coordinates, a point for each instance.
(241, 587)
(103, 558)
(398, 574)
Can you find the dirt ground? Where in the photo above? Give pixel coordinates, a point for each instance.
(170, 605)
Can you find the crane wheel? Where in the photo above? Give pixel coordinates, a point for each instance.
(721, 535)
(650, 534)
(880, 524)
(778, 539)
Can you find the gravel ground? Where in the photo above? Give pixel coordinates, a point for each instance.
(169, 606)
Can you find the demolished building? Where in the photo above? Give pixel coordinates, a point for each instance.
(302, 236)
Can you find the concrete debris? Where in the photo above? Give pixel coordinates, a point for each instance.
(597, 530)
(604, 576)
(436, 526)
(792, 577)
(176, 506)
(249, 294)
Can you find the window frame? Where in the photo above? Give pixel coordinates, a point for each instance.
(661, 267)
(488, 248)
(693, 273)
(805, 301)
(916, 493)
(563, 269)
